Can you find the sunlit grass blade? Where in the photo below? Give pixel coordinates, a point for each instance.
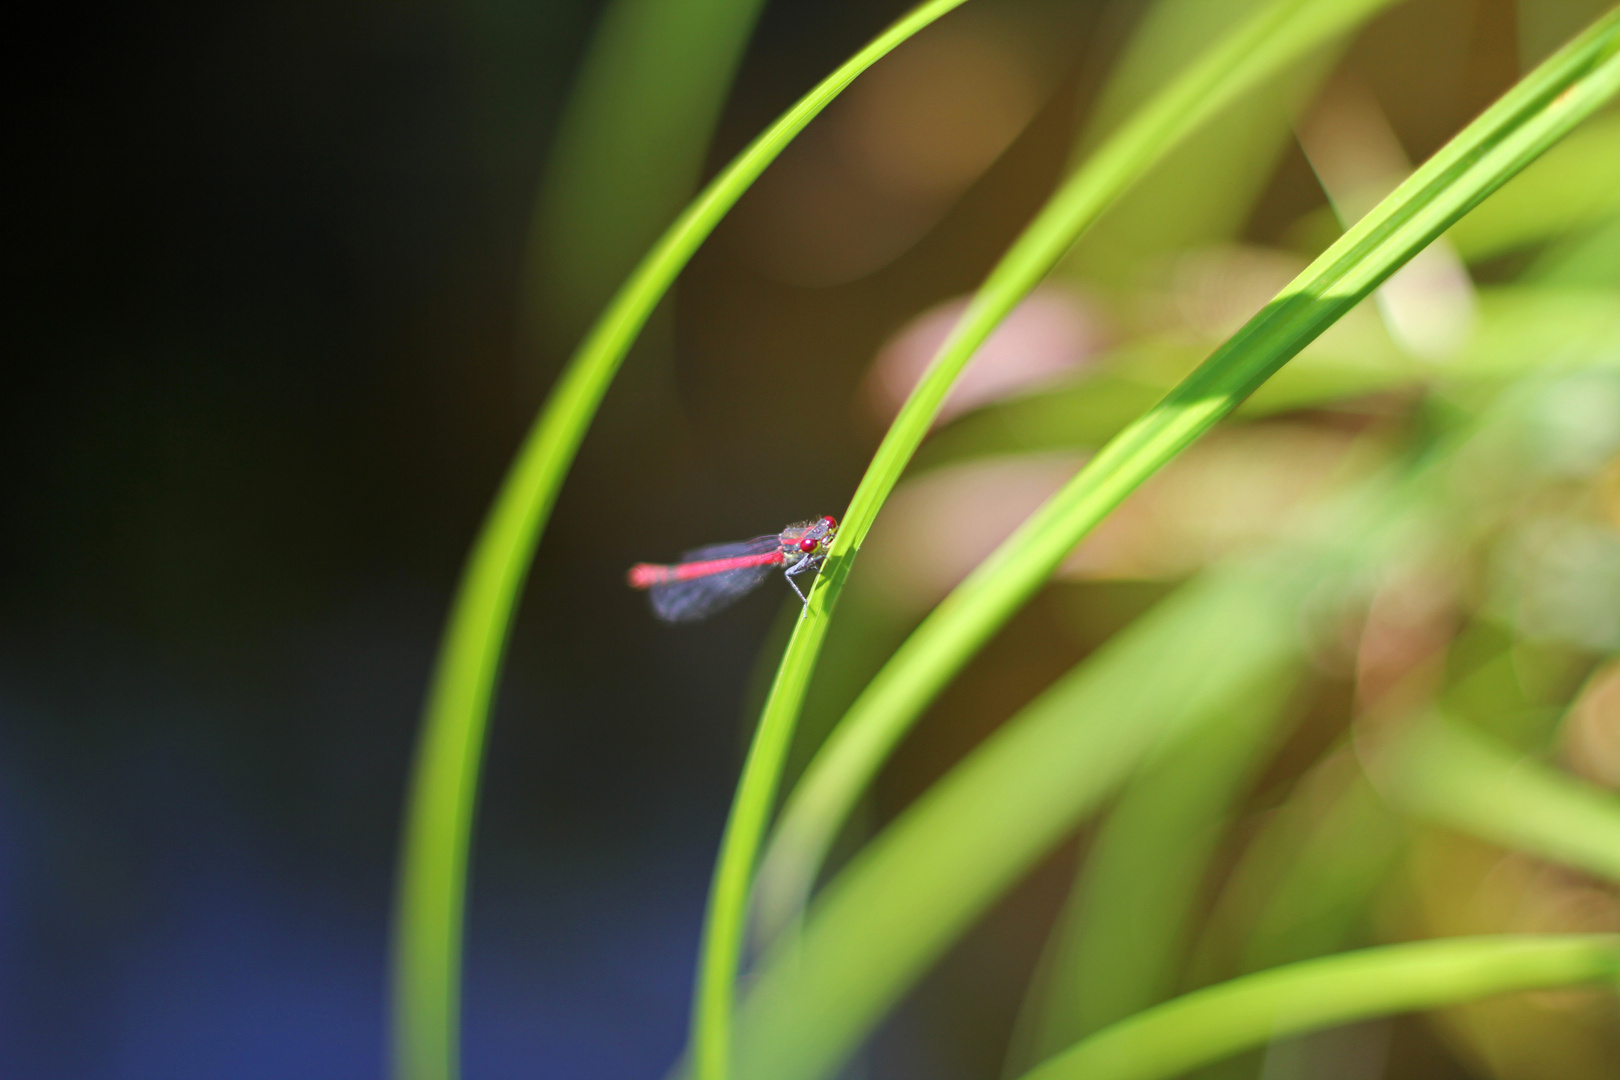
(1530, 117)
(1210, 1024)
(1513, 319)
(444, 783)
(1575, 185)
(1446, 774)
(906, 896)
(909, 894)
(1120, 946)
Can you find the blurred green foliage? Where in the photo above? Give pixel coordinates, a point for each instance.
(1380, 703)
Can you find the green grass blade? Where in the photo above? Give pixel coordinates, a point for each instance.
(1087, 413)
(630, 146)
(1232, 155)
(1576, 185)
(1218, 1021)
(907, 895)
(1444, 773)
(438, 816)
(1528, 119)
(1261, 47)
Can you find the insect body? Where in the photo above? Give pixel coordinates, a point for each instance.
(710, 578)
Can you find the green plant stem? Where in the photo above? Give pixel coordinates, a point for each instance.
(439, 810)
(1208, 1025)
(1532, 116)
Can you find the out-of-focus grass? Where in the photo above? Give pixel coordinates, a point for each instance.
(1120, 946)
(630, 146)
(1485, 155)
(1275, 36)
(906, 895)
(1496, 509)
(1210, 1024)
(1439, 771)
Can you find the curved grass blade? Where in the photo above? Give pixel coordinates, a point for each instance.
(1195, 658)
(1528, 119)
(438, 816)
(1281, 33)
(1218, 1021)
(1441, 772)
(907, 896)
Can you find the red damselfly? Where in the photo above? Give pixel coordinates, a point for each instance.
(710, 578)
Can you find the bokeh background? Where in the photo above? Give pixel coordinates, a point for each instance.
(286, 296)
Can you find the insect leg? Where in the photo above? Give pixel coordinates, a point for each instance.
(796, 588)
(800, 567)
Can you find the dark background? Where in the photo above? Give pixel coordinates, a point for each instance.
(266, 265)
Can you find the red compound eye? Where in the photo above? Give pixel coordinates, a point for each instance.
(807, 545)
(832, 522)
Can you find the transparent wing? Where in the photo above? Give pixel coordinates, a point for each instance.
(759, 545)
(685, 601)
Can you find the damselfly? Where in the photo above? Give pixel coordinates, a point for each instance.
(710, 578)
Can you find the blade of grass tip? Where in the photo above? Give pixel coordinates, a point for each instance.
(1279, 34)
(1444, 773)
(444, 782)
(1218, 1021)
(1532, 116)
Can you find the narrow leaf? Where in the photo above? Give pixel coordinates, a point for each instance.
(444, 782)
(1532, 116)
(1218, 1021)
